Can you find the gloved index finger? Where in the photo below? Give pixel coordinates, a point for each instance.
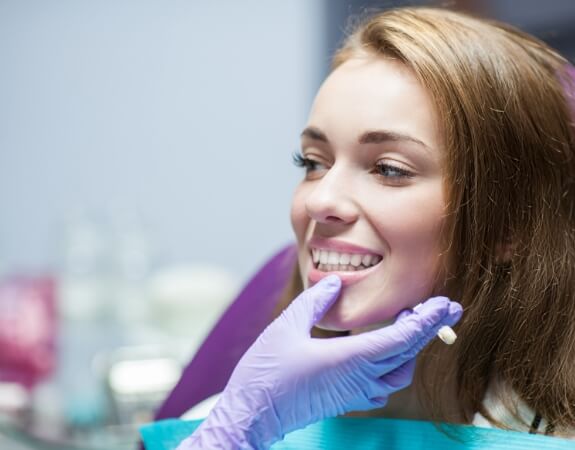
(409, 330)
(312, 304)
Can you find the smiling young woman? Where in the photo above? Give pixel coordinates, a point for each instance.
(439, 162)
(372, 193)
(439, 159)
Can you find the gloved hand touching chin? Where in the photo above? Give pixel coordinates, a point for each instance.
(287, 379)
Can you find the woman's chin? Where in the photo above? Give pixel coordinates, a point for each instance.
(334, 319)
(347, 315)
(337, 319)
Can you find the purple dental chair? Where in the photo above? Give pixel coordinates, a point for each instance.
(240, 325)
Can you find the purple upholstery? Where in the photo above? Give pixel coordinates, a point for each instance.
(248, 315)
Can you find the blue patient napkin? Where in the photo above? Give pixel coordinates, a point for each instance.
(373, 433)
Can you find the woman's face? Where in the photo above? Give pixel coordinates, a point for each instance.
(372, 204)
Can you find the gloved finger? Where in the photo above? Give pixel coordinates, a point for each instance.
(388, 364)
(420, 327)
(368, 404)
(408, 330)
(404, 313)
(378, 402)
(311, 305)
(379, 389)
(399, 378)
(381, 363)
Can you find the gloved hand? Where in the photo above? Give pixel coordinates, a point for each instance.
(287, 379)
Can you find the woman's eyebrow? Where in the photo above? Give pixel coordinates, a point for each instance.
(379, 136)
(369, 137)
(315, 134)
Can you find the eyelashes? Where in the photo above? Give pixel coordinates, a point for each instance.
(391, 171)
(306, 163)
(384, 170)
(299, 160)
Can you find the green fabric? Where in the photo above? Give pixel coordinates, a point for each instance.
(370, 433)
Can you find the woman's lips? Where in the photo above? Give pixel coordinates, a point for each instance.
(338, 246)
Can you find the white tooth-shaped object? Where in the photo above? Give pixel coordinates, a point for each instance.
(333, 258)
(344, 258)
(447, 335)
(366, 260)
(323, 256)
(315, 255)
(355, 260)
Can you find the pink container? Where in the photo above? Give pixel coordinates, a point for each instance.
(27, 329)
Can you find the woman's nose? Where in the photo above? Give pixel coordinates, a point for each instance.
(331, 200)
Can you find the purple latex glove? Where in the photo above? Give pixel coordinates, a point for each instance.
(287, 379)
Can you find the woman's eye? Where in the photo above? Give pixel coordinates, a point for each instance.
(389, 171)
(308, 164)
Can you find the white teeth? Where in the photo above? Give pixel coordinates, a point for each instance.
(355, 260)
(315, 255)
(329, 261)
(336, 267)
(333, 258)
(366, 260)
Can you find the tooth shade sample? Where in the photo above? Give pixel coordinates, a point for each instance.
(447, 335)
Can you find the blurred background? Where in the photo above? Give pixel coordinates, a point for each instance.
(145, 174)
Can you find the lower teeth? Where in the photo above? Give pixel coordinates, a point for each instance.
(340, 268)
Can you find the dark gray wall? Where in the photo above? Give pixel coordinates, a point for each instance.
(552, 20)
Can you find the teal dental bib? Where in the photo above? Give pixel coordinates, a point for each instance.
(373, 433)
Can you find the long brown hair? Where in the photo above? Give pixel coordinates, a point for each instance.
(500, 97)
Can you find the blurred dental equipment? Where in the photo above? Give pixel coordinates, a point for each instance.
(27, 329)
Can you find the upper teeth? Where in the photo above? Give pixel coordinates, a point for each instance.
(335, 258)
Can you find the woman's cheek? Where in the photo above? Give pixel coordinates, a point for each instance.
(298, 214)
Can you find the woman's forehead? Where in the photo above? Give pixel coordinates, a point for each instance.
(375, 93)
